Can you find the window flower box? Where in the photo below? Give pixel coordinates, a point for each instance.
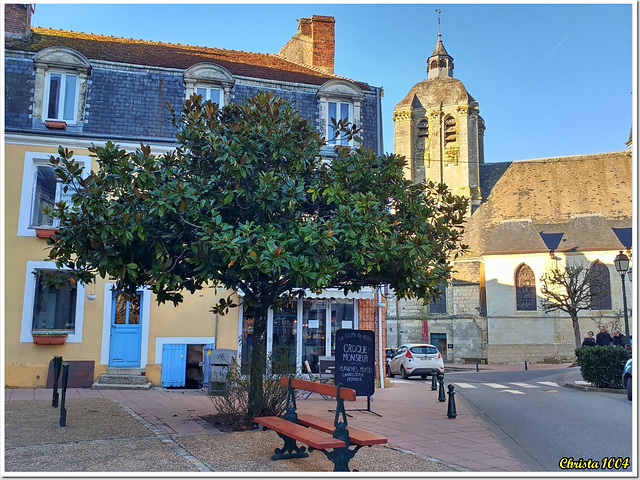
(46, 232)
(49, 338)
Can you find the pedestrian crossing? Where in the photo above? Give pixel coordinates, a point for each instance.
(509, 388)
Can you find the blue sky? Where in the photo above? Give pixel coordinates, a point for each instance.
(551, 80)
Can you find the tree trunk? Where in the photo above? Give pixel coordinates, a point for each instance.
(576, 330)
(258, 361)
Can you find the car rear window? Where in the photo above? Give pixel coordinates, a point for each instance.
(423, 350)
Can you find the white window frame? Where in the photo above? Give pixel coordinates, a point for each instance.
(340, 92)
(209, 75)
(338, 141)
(31, 161)
(30, 296)
(208, 89)
(47, 86)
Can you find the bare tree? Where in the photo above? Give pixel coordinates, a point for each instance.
(570, 289)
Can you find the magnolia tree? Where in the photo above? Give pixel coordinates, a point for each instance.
(247, 202)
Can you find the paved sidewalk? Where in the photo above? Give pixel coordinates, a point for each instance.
(410, 416)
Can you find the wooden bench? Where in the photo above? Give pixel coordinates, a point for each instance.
(331, 437)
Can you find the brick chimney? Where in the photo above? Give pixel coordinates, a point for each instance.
(314, 44)
(17, 20)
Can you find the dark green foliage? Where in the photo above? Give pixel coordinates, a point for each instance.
(248, 202)
(602, 366)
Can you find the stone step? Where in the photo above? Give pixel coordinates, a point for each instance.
(125, 371)
(120, 386)
(109, 378)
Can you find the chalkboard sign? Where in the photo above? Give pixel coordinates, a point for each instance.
(355, 360)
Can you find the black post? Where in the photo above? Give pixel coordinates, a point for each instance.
(451, 408)
(57, 365)
(65, 379)
(434, 380)
(626, 315)
(441, 395)
(477, 367)
(525, 365)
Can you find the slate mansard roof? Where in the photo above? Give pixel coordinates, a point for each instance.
(168, 55)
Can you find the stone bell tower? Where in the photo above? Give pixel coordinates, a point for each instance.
(439, 130)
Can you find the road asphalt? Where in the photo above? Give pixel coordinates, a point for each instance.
(162, 430)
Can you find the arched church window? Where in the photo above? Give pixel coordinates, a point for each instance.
(600, 287)
(423, 128)
(525, 288)
(450, 132)
(443, 62)
(434, 64)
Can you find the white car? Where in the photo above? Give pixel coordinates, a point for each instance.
(415, 359)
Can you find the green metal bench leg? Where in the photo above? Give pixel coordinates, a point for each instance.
(340, 457)
(290, 449)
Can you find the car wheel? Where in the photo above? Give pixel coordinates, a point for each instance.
(404, 373)
(629, 387)
(389, 374)
(423, 376)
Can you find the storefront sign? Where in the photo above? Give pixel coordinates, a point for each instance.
(355, 360)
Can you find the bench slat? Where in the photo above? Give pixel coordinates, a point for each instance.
(313, 438)
(357, 437)
(321, 388)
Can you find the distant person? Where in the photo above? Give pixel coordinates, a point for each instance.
(603, 338)
(619, 340)
(589, 341)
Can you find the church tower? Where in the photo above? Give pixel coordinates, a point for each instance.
(439, 130)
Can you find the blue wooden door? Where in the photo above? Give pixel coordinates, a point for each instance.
(174, 365)
(126, 332)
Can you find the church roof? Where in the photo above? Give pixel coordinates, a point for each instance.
(169, 55)
(439, 48)
(432, 92)
(552, 191)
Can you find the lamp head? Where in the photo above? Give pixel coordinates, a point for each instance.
(622, 263)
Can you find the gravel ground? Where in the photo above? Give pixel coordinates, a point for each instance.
(101, 436)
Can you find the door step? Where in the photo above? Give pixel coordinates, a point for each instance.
(122, 379)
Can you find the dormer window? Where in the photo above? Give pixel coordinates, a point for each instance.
(61, 96)
(338, 111)
(211, 81)
(339, 100)
(214, 94)
(62, 78)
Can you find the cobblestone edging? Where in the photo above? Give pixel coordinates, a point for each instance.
(166, 439)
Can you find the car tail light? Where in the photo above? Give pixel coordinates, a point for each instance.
(439, 354)
(408, 354)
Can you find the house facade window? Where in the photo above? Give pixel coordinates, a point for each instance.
(211, 81)
(51, 303)
(338, 99)
(338, 111)
(54, 305)
(214, 94)
(40, 189)
(61, 97)
(62, 78)
(525, 281)
(600, 287)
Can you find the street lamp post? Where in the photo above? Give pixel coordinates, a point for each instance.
(622, 266)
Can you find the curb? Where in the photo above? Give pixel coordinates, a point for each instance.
(588, 388)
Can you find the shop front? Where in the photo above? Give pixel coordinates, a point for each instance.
(303, 330)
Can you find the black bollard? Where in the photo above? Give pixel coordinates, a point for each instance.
(441, 395)
(434, 380)
(451, 408)
(477, 368)
(57, 365)
(525, 365)
(65, 379)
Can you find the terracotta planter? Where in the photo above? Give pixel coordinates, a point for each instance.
(57, 339)
(46, 232)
